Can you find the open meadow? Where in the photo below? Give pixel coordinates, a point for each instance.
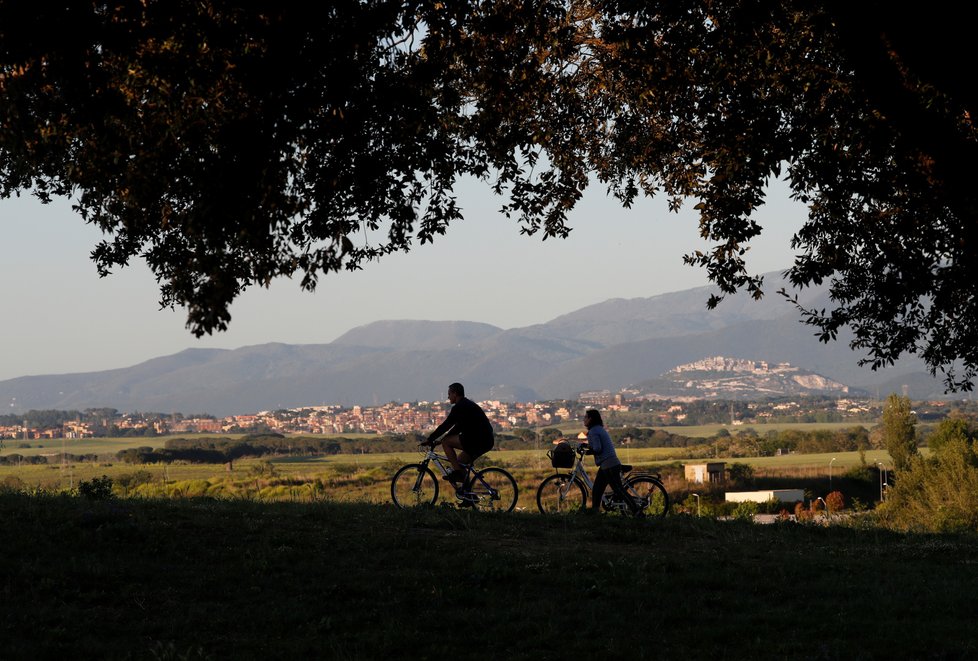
(210, 578)
(365, 477)
(306, 557)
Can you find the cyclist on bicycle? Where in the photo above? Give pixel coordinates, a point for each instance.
(467, 428)
(606, 459)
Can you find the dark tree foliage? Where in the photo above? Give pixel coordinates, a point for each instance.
(34, 418)
(230, 144)
(55, 418)
(220, 449)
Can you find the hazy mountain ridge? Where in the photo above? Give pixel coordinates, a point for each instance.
(417, 334)
(610, 345)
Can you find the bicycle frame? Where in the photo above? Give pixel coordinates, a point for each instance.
(471, 474)
(440, 460)
(581, 473)
(485, 488)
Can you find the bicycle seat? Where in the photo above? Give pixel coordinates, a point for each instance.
(626, 467)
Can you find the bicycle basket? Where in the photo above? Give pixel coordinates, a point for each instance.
(562, 455)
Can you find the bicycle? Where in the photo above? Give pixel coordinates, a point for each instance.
(569, 492)
(490, 489)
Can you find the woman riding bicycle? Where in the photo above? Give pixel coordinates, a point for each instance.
(606, 459)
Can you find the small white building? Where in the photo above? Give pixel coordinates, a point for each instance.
(781, 495)
(702, 473)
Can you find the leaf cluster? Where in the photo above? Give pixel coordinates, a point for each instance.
(228, 145)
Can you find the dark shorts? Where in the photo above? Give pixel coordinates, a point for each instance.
(475, 446)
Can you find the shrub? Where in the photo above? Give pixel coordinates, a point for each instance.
(835, 501)
(770, 506)
(98, 488)
(746, 510)
(861, 473)
(741, 473)
(938, 494)
(12, 483)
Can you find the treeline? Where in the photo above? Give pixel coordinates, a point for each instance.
(748, 443)
(743, 443)
(54, 418)
(650, 438)
(101, 421)
(219, 450)
(19, 460)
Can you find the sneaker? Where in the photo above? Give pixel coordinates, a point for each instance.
(456, 476)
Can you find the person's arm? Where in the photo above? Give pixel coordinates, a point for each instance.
(444, 427)
(594, 441)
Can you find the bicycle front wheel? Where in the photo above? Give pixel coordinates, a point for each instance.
(561, 494)
(650, 494)
(414, 485)
(494, 490)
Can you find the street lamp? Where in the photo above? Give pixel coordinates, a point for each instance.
(830, 475)
(697, 497)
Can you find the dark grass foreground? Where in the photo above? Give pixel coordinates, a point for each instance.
(189, 579)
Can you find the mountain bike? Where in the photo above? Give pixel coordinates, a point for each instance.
(490, 489)
(570, 492)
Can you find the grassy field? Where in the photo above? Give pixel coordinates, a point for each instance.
(708, 431)
(305, 557)
(224, 579)
(366, 477)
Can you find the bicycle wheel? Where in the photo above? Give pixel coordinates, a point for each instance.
(559, 494)
(414, 485)
(651, 494)
(493, 489)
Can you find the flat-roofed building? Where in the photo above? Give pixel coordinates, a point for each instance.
(702, 473)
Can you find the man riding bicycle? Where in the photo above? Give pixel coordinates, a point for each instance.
(467, 429)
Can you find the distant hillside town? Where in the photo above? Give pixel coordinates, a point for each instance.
(422, 417)
(391, 418)
(737, 378)
(713, 390)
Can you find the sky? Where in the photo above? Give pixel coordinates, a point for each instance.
(59, 317)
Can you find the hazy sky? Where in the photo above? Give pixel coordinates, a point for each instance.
(60, 317)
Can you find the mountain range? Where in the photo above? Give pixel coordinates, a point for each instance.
(610, 345)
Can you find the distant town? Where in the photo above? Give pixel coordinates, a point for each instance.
(621, 408)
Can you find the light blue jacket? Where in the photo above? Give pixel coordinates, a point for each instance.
(602, 447)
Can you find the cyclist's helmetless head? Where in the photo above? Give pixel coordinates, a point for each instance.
(592, 418)
(455, 392)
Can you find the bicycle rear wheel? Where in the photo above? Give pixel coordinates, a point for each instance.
(494, 490)
(559, 494)
(651, 495)
(414, 485)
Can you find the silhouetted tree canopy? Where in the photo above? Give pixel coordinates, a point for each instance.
(228, 144)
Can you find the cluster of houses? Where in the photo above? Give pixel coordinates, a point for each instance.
(392, 418)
